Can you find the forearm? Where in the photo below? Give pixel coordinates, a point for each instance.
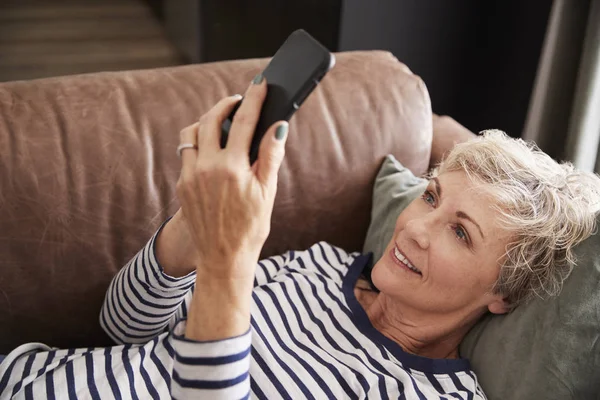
(220, 307)
(446, 133)
(174, 248)
(141, 300)
(212, 348)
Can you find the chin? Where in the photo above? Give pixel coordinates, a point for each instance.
(378, 276)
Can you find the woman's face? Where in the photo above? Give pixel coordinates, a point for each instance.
(453, 248)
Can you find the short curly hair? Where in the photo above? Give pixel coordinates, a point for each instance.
(548, 207)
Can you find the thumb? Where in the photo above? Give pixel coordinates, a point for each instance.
(271, 153)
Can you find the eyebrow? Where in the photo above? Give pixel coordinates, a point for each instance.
(459, 214)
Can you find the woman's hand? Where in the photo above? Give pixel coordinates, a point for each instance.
(227, 205)
(226, 202)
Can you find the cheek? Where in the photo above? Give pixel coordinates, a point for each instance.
(450, 265)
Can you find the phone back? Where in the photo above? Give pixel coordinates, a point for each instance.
(294, 71)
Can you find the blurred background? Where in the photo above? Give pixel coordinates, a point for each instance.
(520, 66)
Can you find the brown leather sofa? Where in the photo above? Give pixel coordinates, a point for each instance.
(88, 173)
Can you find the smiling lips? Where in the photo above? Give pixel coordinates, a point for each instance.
(399, 257)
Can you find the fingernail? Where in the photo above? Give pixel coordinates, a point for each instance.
(281, 131)
(237, 96)
(258, 79)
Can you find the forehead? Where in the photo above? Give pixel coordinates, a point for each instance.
(460, 193)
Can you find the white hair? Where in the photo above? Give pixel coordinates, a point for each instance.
(548, 208)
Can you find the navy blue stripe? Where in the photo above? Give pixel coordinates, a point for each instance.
(50, 384)
(347, 335)
(70, 378)
(50, 376)
(129, 272)
(282, 364)
(183, 286)
(213, 360)
(478, 390)
(321, 269)
(89, 364)
(159, 365)
(337, 254)
(460, 386)
(129, 371)
(203, 384)
(335, 372)
(49, 359)
(169, 348)
(277, 269)
(334, 369)
(7, 374)
(385, 355)
(331, 295)
(145, 260)
(29, 386)
(282, 342)
(332, 342)
(258, 393)
(146, 377)
(335, 266)
(416, 388)
(257, 358)
(116, 301)
(24, 374)
(108, 369)
(127, 336)
(122, 292)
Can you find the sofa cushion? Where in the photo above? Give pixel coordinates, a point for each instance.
(542, 350)
(88, 172)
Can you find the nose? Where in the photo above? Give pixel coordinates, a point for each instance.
(417, 230)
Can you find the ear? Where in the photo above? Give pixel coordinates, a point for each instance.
(498, 306)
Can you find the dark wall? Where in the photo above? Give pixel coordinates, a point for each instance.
(478, 58)
(256, 28)
(216, 30)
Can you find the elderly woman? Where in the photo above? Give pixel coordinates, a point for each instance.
(202, 318)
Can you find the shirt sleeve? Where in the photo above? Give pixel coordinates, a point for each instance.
(217, 369)
(142, 301)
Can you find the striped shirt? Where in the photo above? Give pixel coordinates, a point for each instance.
(309, 338)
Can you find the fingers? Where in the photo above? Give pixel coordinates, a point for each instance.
(271, 153)
(209, 132)
(188, 156)
(246, 117)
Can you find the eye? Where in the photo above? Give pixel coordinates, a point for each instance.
(428, 197)
(460, 233)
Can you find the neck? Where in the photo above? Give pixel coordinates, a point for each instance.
(427, 335)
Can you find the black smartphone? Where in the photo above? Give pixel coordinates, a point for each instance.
(292, 74)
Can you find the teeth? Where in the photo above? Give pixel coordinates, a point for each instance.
(404, 260)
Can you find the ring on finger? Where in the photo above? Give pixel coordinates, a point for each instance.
(183, 146)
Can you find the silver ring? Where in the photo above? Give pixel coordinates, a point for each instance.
(185, 146)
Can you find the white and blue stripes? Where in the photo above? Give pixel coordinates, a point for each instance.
(309, 338)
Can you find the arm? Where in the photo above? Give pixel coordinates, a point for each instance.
(142, 300)
(446, 133)
(227, 205)
(164, 283)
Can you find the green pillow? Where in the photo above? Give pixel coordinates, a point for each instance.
(542, 350)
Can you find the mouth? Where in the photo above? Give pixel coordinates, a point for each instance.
(403, 261)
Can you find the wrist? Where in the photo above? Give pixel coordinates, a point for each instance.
(220, 308)
(174, 249)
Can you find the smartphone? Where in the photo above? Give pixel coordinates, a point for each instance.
(292, 74)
